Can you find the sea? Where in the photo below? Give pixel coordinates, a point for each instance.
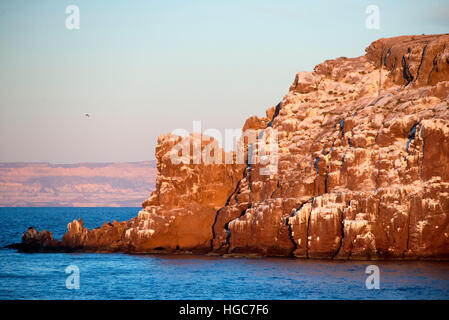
(108, 276)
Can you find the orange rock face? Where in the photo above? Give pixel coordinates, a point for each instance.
(363, 170)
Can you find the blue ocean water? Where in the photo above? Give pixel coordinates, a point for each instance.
(124, 276)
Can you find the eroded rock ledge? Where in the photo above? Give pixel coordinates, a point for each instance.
(363, 172)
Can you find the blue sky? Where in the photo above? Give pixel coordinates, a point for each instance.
(142, 68)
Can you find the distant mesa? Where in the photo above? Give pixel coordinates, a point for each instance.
(80, 184)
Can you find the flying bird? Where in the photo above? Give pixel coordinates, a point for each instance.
(87, 115)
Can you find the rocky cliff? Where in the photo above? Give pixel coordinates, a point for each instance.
(363, 171)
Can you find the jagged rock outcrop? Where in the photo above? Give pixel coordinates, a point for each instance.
(423, 60)
(363, 170)
(33, 241)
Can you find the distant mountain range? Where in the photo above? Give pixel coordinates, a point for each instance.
(124, 184)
